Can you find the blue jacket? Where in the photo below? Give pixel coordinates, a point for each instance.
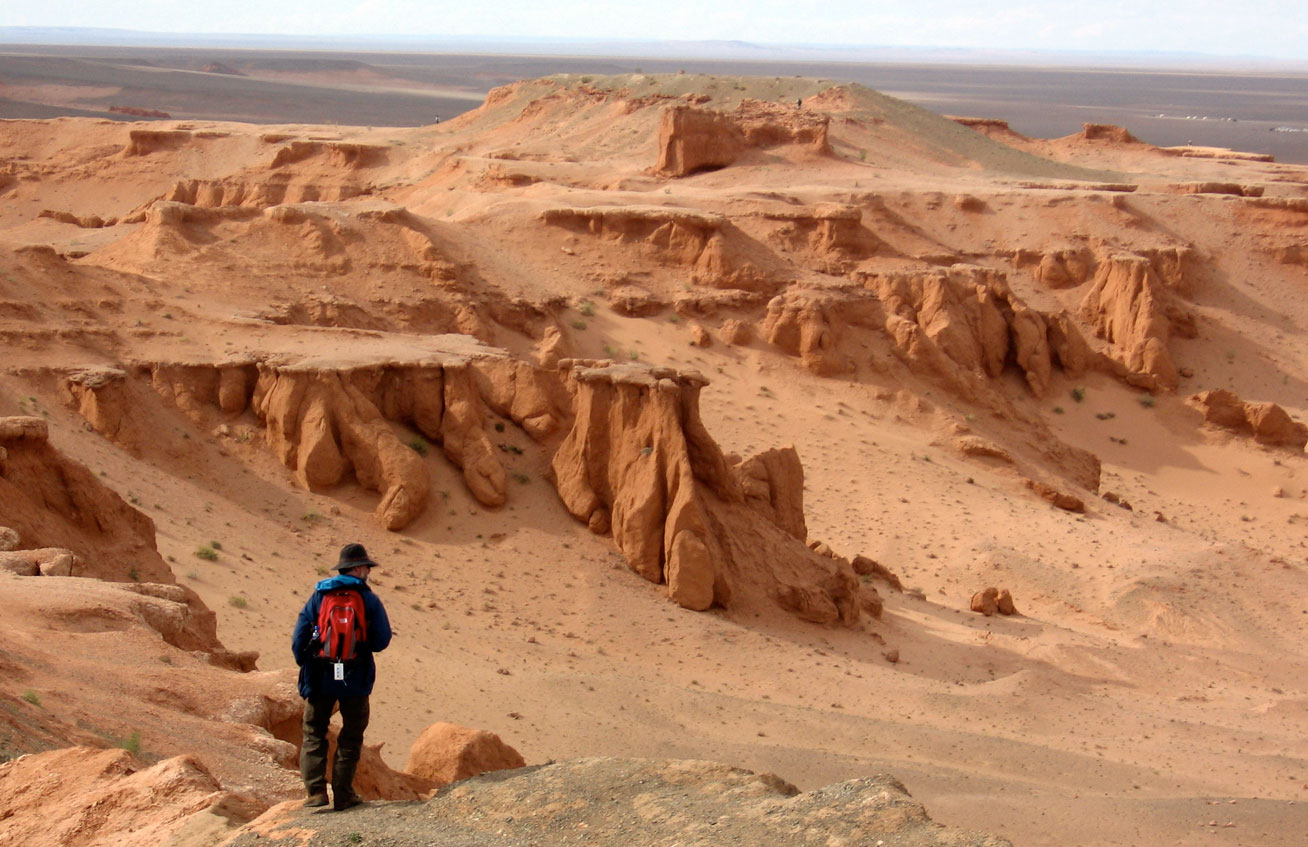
(316, 677)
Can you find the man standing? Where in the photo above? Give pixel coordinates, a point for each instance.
(338, 630)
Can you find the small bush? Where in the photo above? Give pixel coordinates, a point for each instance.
(217, 545)
(588, 309)
(32, 697)
(236, 601)
(132, 743)
(1078, 394)
(311, 516)
(521, 477)
(207, 553)
(1058, 410)
(578, 324)
(419, 445)
(1147, 400)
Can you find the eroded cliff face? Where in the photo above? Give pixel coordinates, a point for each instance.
(50, 500)
(635, 458)
(693, 139)
(1131, 307)
(955, 323)
(332, 420)
(638, 462)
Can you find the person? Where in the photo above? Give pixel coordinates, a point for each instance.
(326, 683)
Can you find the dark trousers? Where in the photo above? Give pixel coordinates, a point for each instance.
(349, 743)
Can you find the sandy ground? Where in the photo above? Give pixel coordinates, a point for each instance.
(1151, 690)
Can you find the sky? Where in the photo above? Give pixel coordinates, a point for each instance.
(1256, 28)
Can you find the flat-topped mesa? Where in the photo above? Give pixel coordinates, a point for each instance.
(693, 139)
(1131, 307)
(639, 462)
(326, 420)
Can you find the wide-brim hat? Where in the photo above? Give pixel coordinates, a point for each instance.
(353, 555)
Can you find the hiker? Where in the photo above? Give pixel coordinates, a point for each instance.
(337, 632)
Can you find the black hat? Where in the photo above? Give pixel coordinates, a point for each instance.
(353, 555)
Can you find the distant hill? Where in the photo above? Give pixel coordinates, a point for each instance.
(713, 49)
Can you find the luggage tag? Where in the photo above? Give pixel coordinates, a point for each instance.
(338, 671)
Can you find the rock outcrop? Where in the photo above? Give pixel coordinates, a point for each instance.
(703, 243)
(693, 139)
(1267, 423)
(447, 752)
(328, 420)
(991, 601)
(953, 323)
(98, 798)
(1130, 307)
(639, 462)
(773, 484)
(50, 501)
(695, 804)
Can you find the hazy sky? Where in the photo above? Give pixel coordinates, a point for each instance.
(1271, 28)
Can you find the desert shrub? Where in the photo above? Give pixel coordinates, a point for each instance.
(132, 743)
(207, 553)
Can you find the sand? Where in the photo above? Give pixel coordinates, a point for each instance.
(1151, 689)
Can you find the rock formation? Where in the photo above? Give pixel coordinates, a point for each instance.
(695, 804)
(324, 420)
(447, 752)
(992, 601)
(1129, 307)
(89, 797)
(638, 462)
(693, 139)
(49, 500)
(1267, 423)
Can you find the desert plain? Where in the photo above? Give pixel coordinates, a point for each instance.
(688, 416)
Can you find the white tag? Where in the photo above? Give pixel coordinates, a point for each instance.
(338, 671)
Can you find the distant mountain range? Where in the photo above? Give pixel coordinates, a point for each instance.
(723, 50)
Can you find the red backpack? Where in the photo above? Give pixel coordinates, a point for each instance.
(342, 625)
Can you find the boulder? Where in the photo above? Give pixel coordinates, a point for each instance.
(986, 601)
(991, 601)
(1061, 499)
(736, 332)
(1267, 423)
(447, 752)
(863, 566)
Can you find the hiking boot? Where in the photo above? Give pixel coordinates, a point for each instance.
(317, 799)
(346, 800)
